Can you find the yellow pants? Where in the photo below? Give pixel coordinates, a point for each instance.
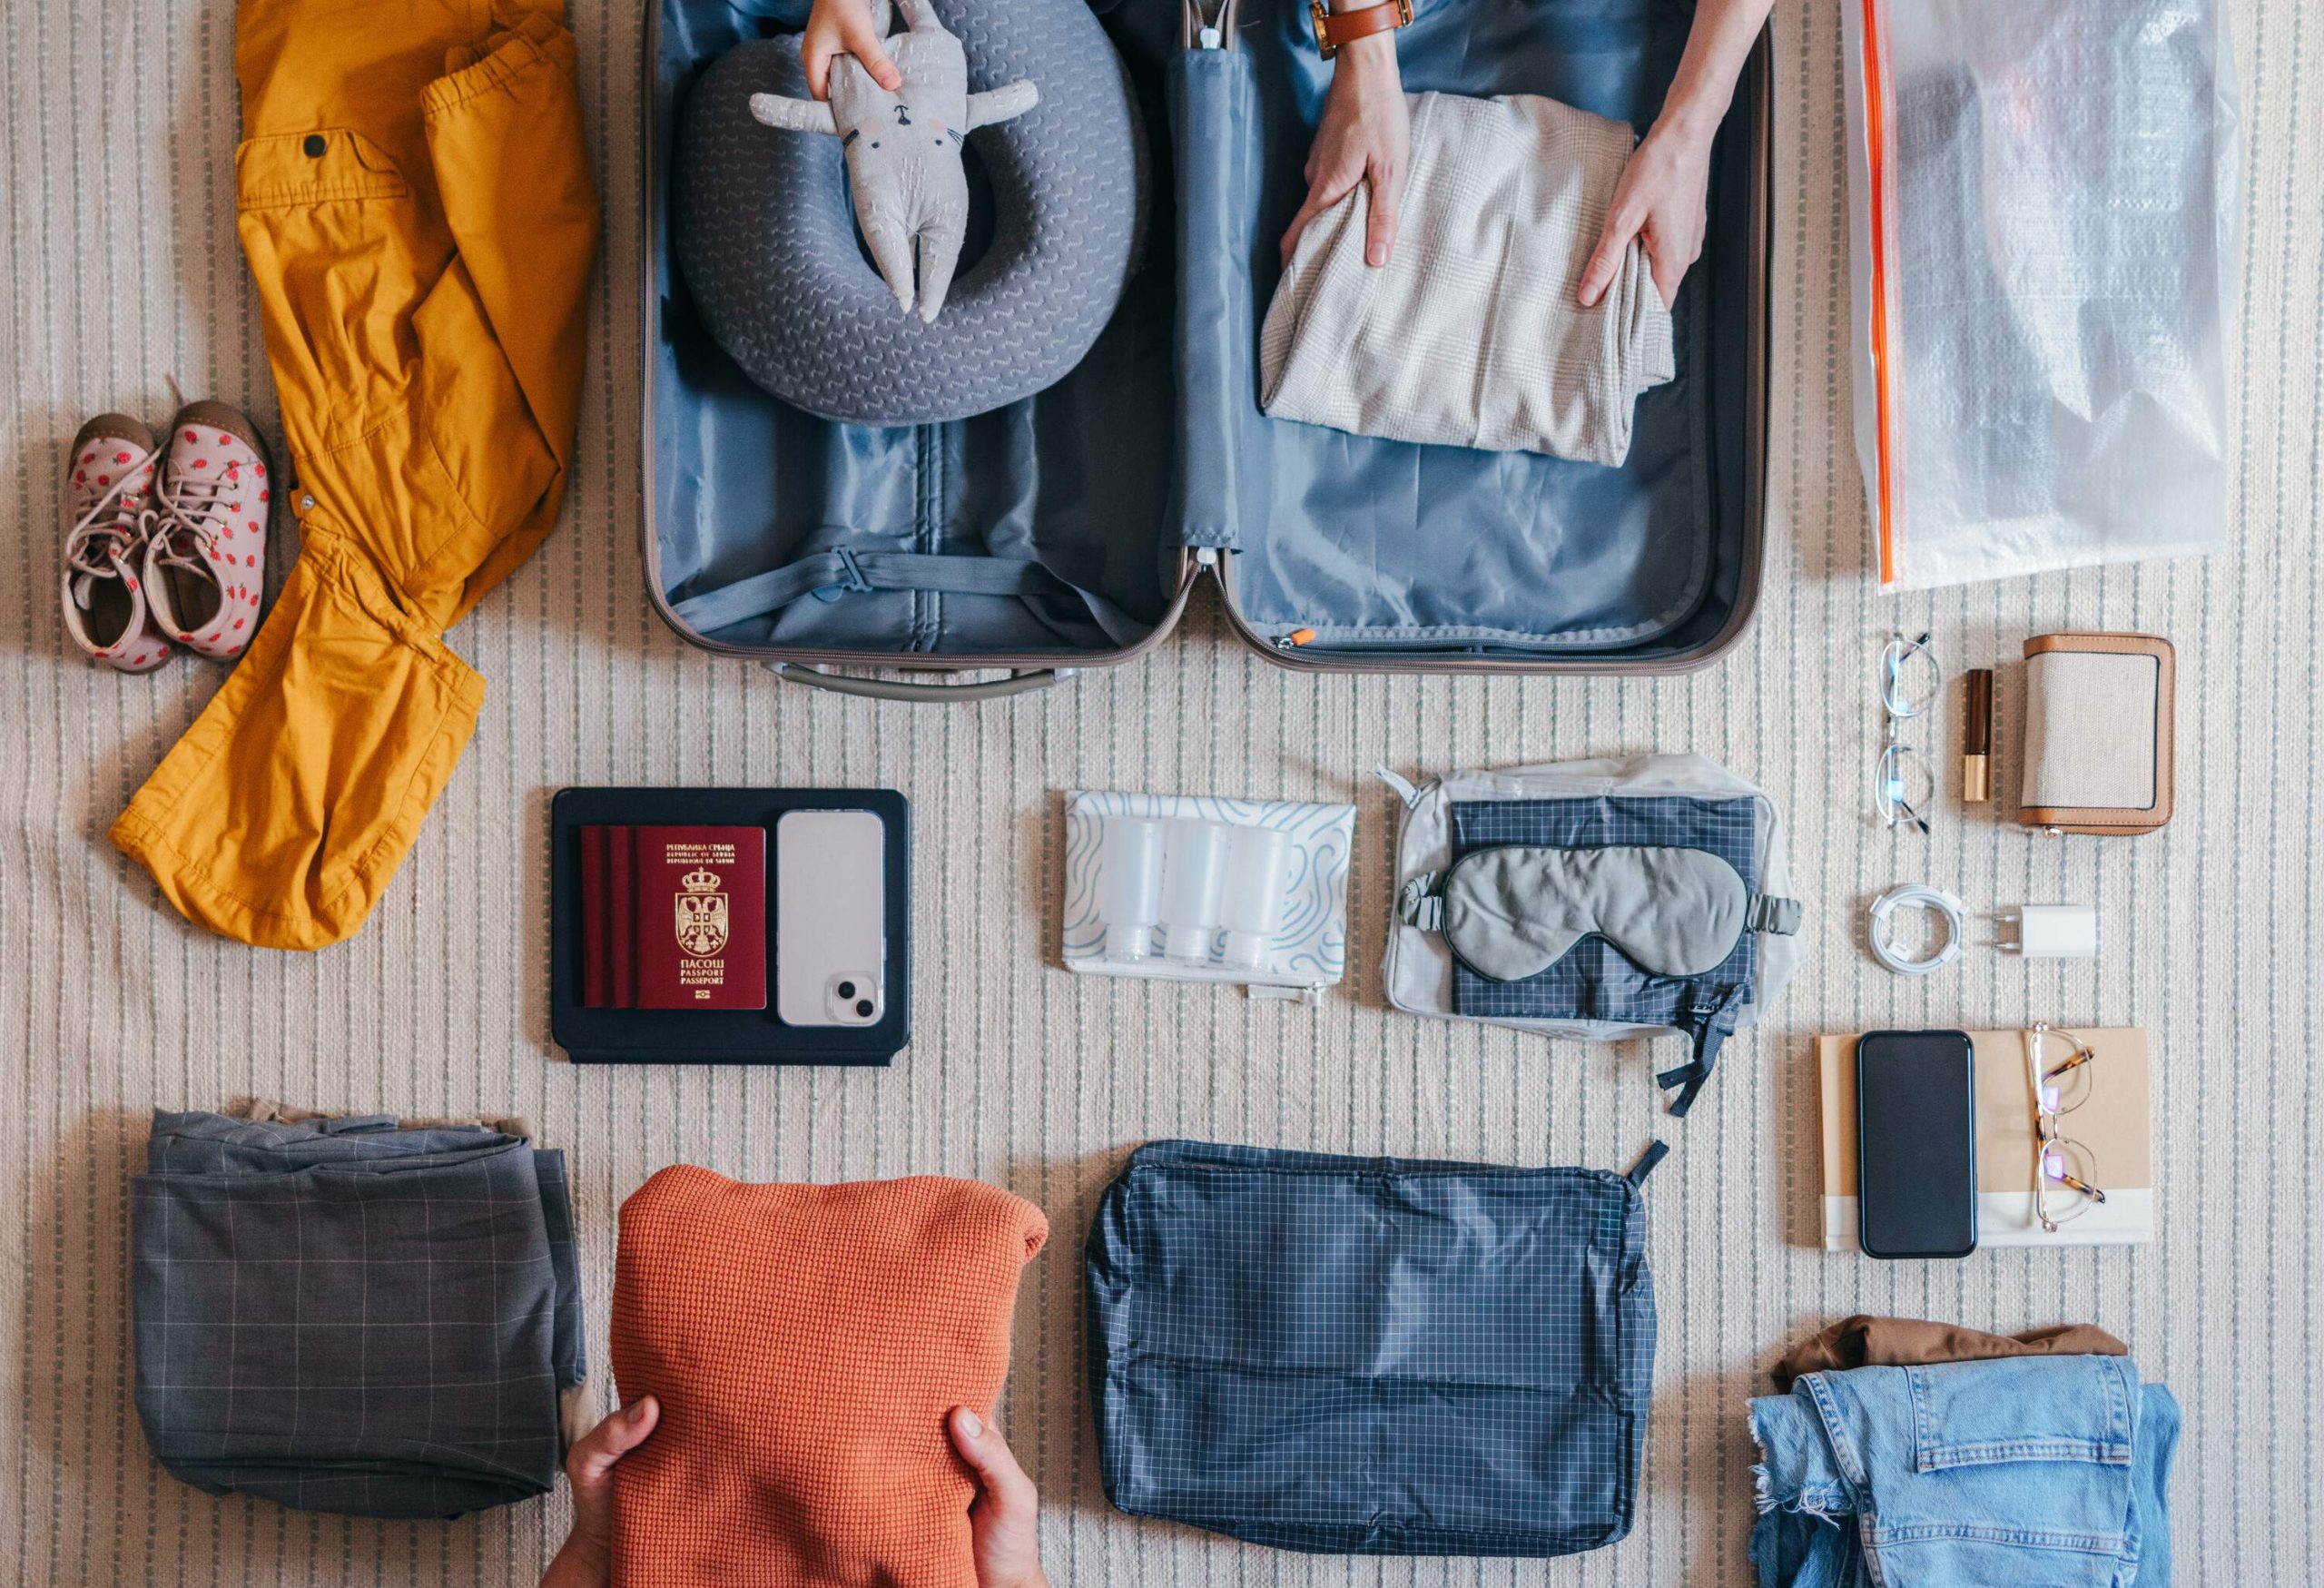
(416, 206)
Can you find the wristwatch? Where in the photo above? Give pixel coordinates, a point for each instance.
(1334, 28)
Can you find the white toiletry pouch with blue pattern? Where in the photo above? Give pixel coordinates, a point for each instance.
(1309, 948)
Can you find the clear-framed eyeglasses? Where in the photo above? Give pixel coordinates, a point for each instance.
(2065, 1172)
(1904, 782)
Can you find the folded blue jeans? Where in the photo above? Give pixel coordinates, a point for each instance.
(2047, 1471)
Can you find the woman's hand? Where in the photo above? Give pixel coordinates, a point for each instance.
(1366, 137)
(843, 27)
(1661, 200)
(1006, 1514)
(1664, 195)
(1003, 1519)
(587, 1559)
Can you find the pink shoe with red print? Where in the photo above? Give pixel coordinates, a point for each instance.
(205, 563)
(109, 484)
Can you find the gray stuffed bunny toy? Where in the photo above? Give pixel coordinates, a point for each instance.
(903, 149)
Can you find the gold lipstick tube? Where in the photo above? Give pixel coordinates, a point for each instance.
(1977, 738)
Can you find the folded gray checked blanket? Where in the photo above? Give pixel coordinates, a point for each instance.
(348, 1315)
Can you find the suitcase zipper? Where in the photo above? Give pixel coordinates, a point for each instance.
(927, 533)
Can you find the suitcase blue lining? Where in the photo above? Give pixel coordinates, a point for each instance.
(1156, 440)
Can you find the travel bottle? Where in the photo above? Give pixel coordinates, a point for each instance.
(1194, 873)
(1253, 906)
(1129, 888)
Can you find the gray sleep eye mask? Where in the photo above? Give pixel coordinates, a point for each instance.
(1514, 911)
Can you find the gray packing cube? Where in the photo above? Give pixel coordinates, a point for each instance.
(1591, 988)
(1371, 1355)
(1068, 529)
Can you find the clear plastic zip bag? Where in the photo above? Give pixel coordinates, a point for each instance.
(2043, 220)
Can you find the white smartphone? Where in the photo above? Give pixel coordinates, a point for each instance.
(830, 918)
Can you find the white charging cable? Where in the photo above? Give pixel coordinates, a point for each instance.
(1919, 896)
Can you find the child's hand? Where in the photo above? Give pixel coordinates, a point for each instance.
(843, 27)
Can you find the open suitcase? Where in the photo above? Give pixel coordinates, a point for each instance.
(1067, 530)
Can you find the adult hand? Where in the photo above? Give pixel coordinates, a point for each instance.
(1665, 189)
(843, 27)
(1661, 200)
(1366, 137)
(1004, 1515)
(1003, 1518)
(587, 1559)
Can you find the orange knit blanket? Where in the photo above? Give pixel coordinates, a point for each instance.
(805, 1343)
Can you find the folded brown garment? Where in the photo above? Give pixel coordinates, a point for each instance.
(1865, 1341)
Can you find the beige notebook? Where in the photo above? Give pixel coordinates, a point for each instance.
(2114, 1123)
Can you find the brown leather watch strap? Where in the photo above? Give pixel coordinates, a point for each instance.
(1334, 28)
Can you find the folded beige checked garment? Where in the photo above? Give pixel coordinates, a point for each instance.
(1470, 335)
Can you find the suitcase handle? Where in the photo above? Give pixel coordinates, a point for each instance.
(1023, 682)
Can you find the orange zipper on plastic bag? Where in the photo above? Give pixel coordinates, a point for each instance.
(1876, 137)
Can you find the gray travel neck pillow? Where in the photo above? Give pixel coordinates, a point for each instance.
(903, 149)
(766, 235)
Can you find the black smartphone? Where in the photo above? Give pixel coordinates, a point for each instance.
(1917, 1144)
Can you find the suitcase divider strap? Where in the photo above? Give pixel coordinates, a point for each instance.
(830, 575)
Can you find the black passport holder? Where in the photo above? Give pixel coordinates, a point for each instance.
(712, 1036)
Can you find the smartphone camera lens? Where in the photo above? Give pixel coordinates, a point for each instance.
(863, 1007)
(847, 990)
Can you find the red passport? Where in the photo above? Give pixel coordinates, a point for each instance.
(674, 917)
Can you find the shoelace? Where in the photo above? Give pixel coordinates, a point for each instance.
(111, 528)
(190, 513)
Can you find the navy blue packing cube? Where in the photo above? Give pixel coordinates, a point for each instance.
(1371, 1356)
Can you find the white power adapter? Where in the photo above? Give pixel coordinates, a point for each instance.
(2054, 932)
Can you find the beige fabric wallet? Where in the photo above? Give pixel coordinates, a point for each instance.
(2099, 710)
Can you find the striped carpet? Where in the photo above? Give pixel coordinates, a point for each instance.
(121, 269)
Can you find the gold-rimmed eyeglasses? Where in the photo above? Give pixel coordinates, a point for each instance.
(2065, 1171)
